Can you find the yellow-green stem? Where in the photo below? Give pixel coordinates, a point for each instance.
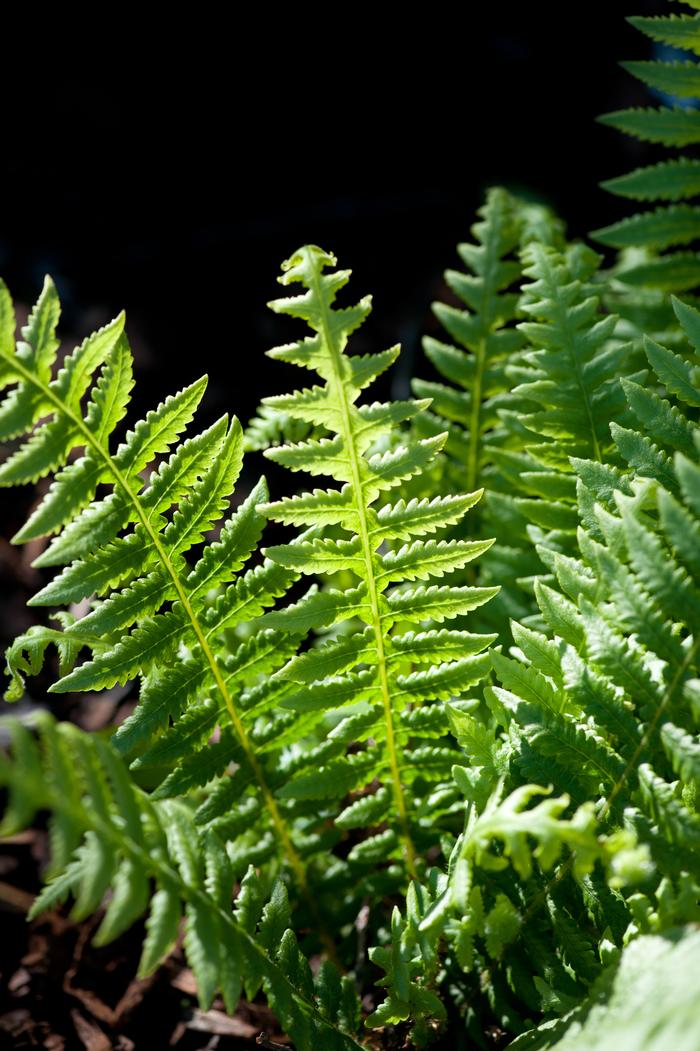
(372, 592)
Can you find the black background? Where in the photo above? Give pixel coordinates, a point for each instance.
(170, 171)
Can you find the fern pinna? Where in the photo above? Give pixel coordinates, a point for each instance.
(388, 615)
(654, 241)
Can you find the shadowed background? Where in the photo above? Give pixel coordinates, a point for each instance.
(172, 176)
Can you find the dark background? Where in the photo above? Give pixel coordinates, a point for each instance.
(170, 173)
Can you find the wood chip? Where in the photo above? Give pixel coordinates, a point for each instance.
(90, 1035)
(15, 898)
(220, 1024)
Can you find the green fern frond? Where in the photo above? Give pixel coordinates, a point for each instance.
(475, 387)
(128, 549)
(573, 382)
(364, 452)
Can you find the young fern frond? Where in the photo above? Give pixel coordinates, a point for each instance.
(152, 615)
(651, 239)
(370, 666)
(152, 857)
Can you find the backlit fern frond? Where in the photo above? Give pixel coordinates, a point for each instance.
(392, 656)
(124, 524)
(484, 339)
(108, 836)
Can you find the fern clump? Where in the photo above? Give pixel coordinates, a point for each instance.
(414, 746)
(156, 615)
(600, 704)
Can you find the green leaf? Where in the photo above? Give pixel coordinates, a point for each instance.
(162, 928)
(671, 180)
(680, 79)
(678, 224)
(671, 126)
(681, 31)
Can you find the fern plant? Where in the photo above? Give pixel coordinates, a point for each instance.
(324, 731)
(193, 631)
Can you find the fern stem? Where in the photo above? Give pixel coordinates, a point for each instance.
(370, 578)
(295, 862)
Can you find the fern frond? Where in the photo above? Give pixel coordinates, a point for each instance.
(360, 447)
(475, 386)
